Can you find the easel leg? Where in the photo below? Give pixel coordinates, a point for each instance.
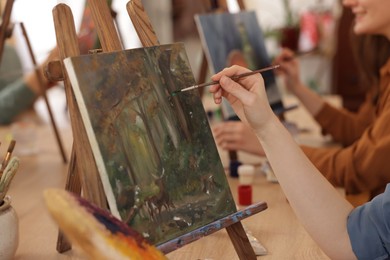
(240, 241)
(5, 21)
(43, 89)
(73, 184)
(63, 244)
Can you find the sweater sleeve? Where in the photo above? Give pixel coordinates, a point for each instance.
(344, 126)
(362, 166)
(14, 99)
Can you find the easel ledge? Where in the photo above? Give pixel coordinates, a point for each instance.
(227, 222)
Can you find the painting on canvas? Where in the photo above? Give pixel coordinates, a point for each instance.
(158, 161)
(236, 39)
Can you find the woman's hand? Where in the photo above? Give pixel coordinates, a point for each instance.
(247, 96)
(289, 69)
(235, 135)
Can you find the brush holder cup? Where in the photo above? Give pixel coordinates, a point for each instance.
(9, 229)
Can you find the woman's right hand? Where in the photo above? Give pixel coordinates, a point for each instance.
(247, 96)
(289, 69)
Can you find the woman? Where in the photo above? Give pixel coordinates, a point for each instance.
(17, 92)
(341, 231)
(361, 164)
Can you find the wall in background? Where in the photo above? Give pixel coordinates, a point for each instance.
(38, 20)
(37, 16)
(315, 70)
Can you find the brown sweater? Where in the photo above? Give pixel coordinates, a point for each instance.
(363, 164)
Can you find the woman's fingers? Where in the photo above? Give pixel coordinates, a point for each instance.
(232, 87)
(229, 72)
(217, 90)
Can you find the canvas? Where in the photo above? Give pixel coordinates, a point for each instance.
(155, 152)
(236, 39)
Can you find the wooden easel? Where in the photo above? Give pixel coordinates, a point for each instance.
(82, 170)
(82, 161)
(41, 83)
(6, 30)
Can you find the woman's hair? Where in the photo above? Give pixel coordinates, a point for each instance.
(372, 52)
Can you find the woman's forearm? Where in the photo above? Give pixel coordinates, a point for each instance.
(14, 99)
(310, 100)
(321, 209)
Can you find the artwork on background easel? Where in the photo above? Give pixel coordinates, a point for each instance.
(220, 6)
(215, 6)
(145, 123)
(237, 39)
(6, 30)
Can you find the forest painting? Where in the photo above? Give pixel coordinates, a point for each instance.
(155, 152)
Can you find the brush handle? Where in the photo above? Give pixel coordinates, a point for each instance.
(236, 77)
(7, 156)
(239, 76)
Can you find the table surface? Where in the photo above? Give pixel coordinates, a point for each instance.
(276, 228)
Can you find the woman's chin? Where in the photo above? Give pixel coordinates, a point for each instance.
(360, 30)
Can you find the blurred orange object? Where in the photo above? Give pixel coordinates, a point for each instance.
(96, 231)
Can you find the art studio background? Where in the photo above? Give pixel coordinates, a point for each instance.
(317, 29)
(173, 21)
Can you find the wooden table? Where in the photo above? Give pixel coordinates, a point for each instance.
(276, 228)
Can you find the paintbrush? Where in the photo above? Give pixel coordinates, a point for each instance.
(302, 53)
(7, 156)
(235, 78)
(6, 178)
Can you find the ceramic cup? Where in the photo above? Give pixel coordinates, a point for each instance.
(9, 229)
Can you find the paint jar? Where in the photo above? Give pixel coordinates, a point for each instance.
(9, 226)
(245, 195)
(246, 173)
(245, 179)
